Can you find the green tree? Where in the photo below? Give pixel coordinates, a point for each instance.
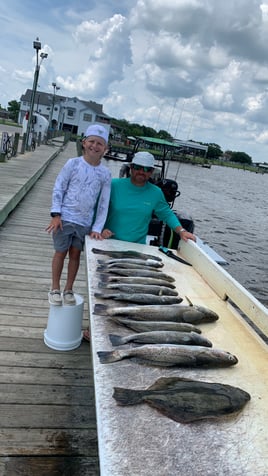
(214, 151)
(241, 157)
(14, 109)
(164, 135)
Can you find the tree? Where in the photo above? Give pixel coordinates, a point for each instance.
(14, 109)
(241, 157)
(164, 135)
(214, 151)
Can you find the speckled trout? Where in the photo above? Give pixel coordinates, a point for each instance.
(112, 278)
(170, 355)
(140, 298)
(138, 288)
(130, 262)
(145, 326)
(150, 273)
(125, 254)
(161, 337)
(176, 312)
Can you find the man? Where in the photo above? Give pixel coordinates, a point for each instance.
(133, 201)
(79, 207)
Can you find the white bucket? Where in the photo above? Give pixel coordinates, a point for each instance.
(64, 326)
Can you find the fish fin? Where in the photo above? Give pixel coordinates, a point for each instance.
(106, 357)
(165, 382)
(189, 301)
(116, 340)
(127, 396)
(101, 309)
(173, 414)
(123, 323)
(144, 361)
(104, 277)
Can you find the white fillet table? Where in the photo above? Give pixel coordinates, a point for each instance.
(138, 440)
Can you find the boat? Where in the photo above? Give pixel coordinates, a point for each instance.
(137, 439)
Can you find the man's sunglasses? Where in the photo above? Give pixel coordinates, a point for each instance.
(141, 167)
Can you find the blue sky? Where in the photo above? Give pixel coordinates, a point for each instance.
(196, 68)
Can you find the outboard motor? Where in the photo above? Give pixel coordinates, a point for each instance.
(170, 190)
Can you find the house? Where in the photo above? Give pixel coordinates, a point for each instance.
(64, 113)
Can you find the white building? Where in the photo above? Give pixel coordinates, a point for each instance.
(63, 113)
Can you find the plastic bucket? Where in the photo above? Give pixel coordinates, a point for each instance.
(64, 326)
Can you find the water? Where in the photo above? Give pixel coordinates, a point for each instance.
(229, 208)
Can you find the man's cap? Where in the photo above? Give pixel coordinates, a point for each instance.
(98, 131)
(143, 158)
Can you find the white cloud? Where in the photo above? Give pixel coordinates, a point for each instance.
(197, 68)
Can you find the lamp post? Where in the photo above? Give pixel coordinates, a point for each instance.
(37, 47)
(56, 88)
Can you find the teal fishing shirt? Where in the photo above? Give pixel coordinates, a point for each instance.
(131, 209)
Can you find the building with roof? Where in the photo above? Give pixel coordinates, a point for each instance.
(64, 113)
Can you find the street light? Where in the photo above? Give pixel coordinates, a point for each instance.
(56, 88)
(37, 47)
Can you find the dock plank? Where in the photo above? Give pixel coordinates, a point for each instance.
(47, 407)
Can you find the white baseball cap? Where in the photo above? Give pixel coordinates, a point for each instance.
(98, 131)
(144, 159)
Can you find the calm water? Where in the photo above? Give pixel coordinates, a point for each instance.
(229, 208)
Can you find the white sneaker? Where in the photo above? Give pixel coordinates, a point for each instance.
(54, 297)
(68, 298)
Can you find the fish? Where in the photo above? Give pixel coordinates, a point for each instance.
(140, 298)
(125, 254)
(178, 313)
(127, 266)
(136, 288)
(136, 272)
(161, 337)
(144, 326)
(170, 355)
(125, 262)
(184, 400)
(109, 278)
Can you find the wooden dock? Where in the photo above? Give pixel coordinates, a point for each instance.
(47, 409)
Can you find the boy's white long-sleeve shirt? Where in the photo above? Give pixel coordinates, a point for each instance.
(82, 192)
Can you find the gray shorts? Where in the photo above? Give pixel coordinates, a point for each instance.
(71, 235)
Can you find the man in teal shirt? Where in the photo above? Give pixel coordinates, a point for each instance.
(134, 199)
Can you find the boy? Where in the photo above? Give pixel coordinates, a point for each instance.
(80, 203)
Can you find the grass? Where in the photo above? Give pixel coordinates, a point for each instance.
(8, 122)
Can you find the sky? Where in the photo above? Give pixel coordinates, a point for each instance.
(195, 68)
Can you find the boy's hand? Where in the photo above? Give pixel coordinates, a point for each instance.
(54, 224)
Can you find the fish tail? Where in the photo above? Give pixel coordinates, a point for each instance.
(102, 268)
(97, 251)
(102, 295)
(116, 340)
(107, 357)
(126, 396)
(101, 309)
(102, 285)
(101, 261)
(104, 278)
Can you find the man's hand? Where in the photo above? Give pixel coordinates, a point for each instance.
(107, 233)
